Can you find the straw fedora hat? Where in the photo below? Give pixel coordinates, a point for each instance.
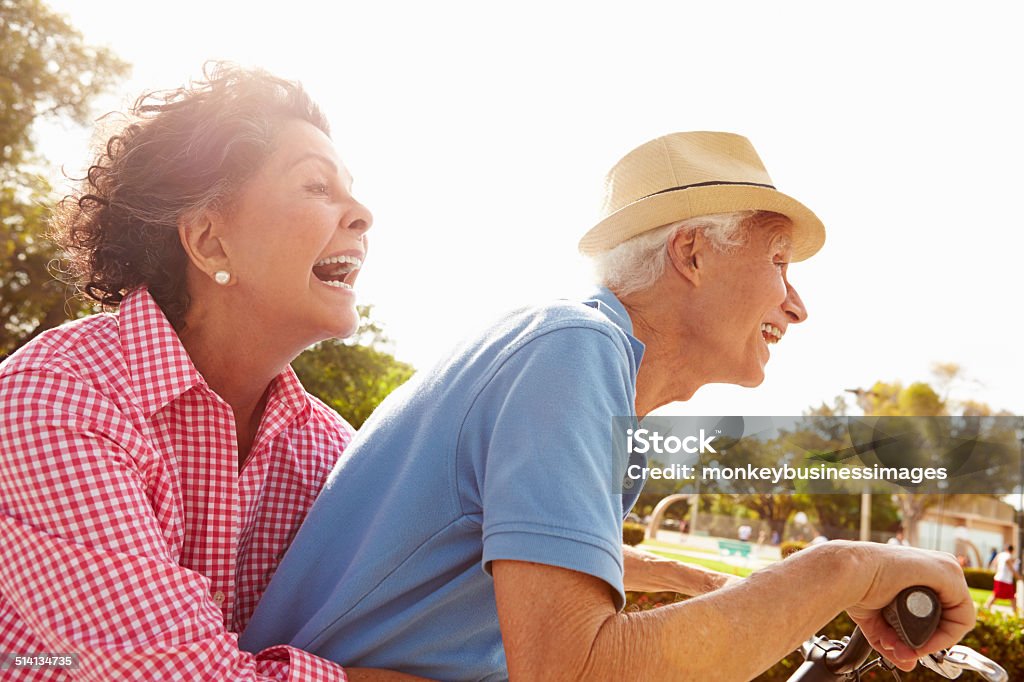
(685, 175)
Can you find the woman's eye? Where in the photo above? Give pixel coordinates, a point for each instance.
(317, 187)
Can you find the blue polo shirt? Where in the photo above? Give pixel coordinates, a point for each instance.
(501, 451)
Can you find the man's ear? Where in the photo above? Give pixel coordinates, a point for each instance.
(200, 237)
(686, 254)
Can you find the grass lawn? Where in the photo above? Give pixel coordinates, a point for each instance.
(981, 596)
(707, 563)
(670, 546)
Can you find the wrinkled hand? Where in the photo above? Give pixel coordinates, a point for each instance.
(900, 567)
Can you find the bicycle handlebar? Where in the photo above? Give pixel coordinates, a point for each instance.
(914, 614)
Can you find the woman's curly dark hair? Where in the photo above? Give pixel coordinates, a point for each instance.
(180, 152)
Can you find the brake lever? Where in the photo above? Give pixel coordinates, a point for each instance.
(969, 659)
(938, 663)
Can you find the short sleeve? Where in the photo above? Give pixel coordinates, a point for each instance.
(542, 451)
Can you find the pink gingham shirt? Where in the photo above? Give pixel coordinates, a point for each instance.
(127, 533)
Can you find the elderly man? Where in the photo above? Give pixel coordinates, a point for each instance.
(472, 532)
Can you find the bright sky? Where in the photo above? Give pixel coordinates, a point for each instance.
(479, 134)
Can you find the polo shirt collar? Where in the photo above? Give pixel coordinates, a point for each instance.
(608, 303)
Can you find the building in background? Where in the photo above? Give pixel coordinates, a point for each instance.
(969, 525)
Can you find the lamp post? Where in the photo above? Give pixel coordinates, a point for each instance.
(863, 396)
(1020, 499)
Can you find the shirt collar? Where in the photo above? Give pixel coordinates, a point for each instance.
(159, 366)
(286, 401)
(608, 303)
(161, 369)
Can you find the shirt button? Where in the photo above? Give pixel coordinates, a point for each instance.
(218, 597)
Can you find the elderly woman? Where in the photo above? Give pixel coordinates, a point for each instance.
(156, 462)
(499, 459)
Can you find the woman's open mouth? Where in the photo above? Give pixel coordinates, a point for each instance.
(338, 271)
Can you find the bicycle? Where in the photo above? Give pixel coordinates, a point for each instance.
(914, 614)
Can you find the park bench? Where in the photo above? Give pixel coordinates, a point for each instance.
(734, 547)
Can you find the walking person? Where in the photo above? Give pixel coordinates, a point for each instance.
(1004, 585)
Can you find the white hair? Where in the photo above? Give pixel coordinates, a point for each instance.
(637, 263)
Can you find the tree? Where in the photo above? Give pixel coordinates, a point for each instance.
(775, 509)
(837, 506)
(920, 399)
(31, 299)
(353, 376)
(46, 72)
(758, 497)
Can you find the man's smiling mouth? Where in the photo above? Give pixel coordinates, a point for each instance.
(770, 333)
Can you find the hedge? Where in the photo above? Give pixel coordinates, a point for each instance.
(998, 636)
(979, 578)
(791, 546)
(633, 533)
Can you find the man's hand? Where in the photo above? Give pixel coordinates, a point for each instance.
(895, 565)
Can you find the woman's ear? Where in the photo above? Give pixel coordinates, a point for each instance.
(686, 254)
(200, 236)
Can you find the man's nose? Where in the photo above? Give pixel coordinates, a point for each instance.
(793, 306)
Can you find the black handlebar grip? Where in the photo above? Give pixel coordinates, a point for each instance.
(914, 614)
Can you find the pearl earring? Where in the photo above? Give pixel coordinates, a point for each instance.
(222, 277)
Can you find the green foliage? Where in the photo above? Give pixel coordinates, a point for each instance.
(353, 378)
(838, 514)
(633, 533)
(980, 578)
(918, 399)
(776, 509)
(49, 73)
(921, 400)
(791, 547)
(997, 636)
(31, 300)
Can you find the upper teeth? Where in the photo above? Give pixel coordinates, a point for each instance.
(351, 260)
(772, 331)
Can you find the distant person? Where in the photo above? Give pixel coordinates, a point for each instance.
(743, 532)
(899, 540)
(992, 556)
(1004, 584)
